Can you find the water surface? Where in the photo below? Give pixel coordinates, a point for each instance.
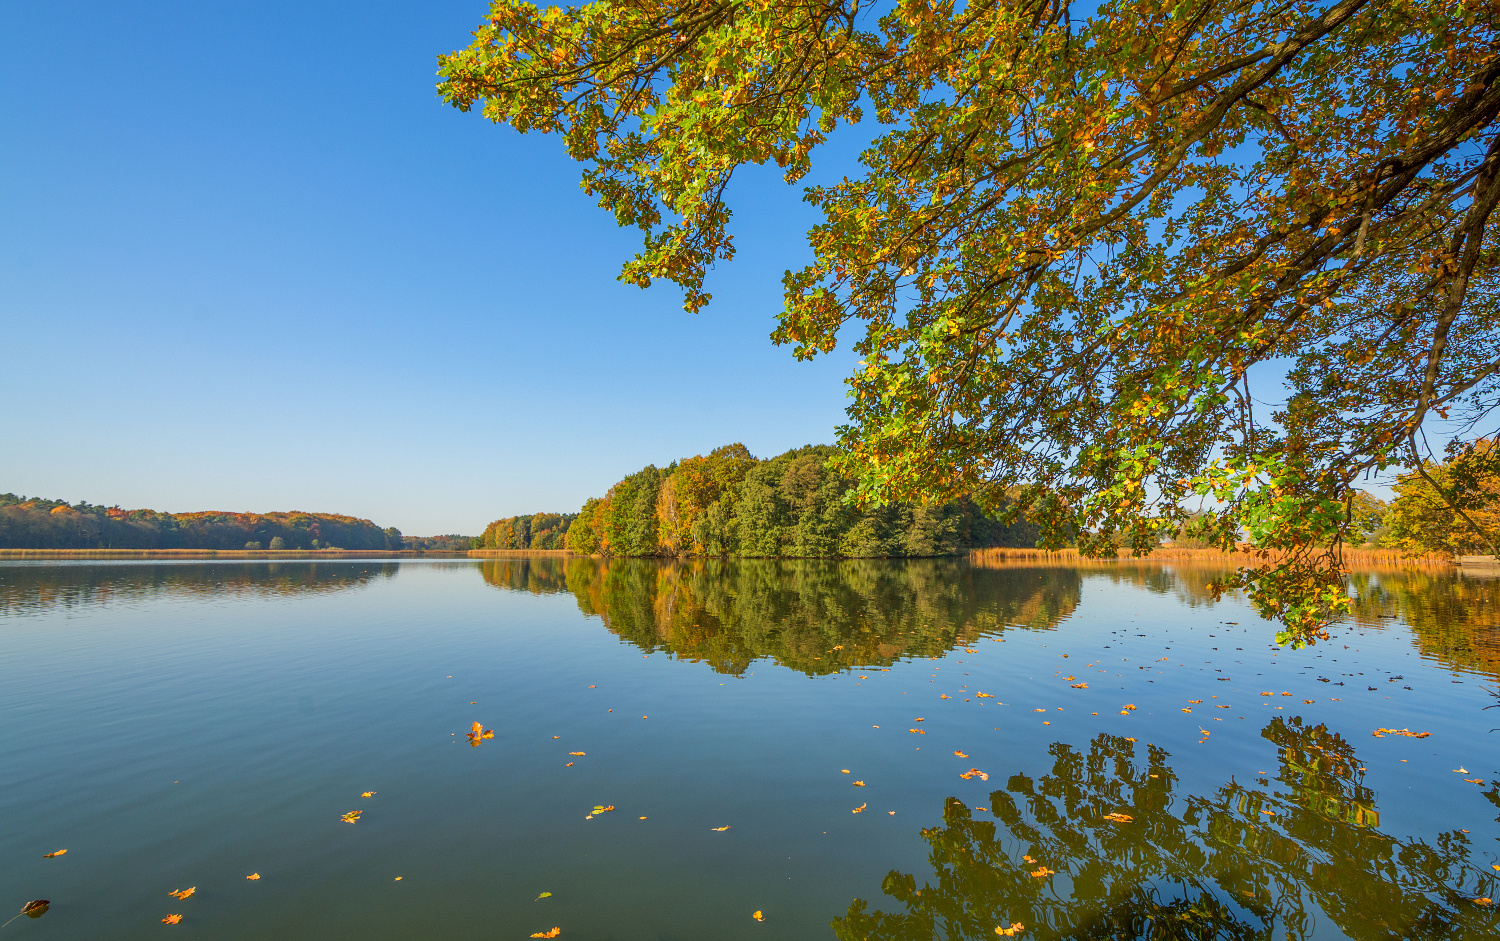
(1092, 752)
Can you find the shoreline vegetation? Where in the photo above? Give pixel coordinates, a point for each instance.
(995, 557)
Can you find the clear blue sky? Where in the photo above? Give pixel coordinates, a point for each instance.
(249, 261)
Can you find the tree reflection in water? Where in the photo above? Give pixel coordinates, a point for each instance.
(817, 617)
(1241, 863)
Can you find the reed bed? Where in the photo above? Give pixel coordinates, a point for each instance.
(1383, 558)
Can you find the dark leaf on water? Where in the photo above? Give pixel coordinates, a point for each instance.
(35, 908)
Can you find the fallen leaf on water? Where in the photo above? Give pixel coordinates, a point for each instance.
(568, 765)
(1043, 873)
(975, 773)
(859, 784)
(960, 754)
(352, 816)
(718, 829)
(1185, 709)
(643, 818)
(860, 809)
(1407, 733)
(56, 853)
(557, 736)
(984, 695)
(184, 893)
(544, 895)
(1483, 900)
(397, 879)
(1027, 859)
(1119, 817)
(253, 876)
(944, 696)
(1461, 770)
(1475, 780)
(1038, 710)
(171, 919)
(555, 931)
(577, 753)
(602, 809)
(1015, 928)
(843, 771)
(1080, 686)
(918, 731)
(758, 915)
(891, 812)
(368, 794)
(35, 908)
(1195, 702)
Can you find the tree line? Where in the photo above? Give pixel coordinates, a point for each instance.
(36, 523)
(538, 531)
(729, 503)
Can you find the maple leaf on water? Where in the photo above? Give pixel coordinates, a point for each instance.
(352, 816)
(183, 893)
(171, 920)
(548, 934)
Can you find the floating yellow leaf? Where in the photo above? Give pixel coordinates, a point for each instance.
(843, 771)
(171, 919)
(1484, 900)
(975, 773)
(860, 809)
(960, 754)
(1080, 686)
(253, 876)
(368, 794)
(984, 695)
(352, 816)
(1475, 780)
(859, 784)
(54, 853)
(758, 915)
(544, 895)
(718, 829)
(1119, 817)
(1405, 733)
(555, 931)
(1015, 928)
(578, 754)
(184, 893)
(944, 696)
(35, 908)
(1043, 873)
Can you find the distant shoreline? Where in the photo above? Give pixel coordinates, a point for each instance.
(224, 553)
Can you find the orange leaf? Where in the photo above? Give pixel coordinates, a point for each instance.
(57, 853)
(253, 876)
(578, 753)
(171, 919)
(548, 934)
(184, 893)
(368, 794)
(758, 915)
(860, 809)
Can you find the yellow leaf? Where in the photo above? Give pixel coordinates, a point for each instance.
(55, 853)
(352, 816)
(758, 916)
(548, 934)
(859, 784)
(860, 809)
(718, 829)
(544, 895)
(171, 919)
(368, 794)
(577, 753)
(184, 893)
(253, 876)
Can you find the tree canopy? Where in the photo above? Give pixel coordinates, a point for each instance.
(1071, 239)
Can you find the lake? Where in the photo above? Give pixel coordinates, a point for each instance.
(851, 750)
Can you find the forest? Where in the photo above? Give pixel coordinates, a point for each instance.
(729, 503)
(35, 523)
(538, 531)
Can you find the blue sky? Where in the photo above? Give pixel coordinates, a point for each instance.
(249, 261)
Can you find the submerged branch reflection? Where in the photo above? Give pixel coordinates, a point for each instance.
(1104, 847)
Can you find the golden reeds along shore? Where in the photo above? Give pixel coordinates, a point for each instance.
(1245, 556)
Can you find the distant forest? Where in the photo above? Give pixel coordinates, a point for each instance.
(34, 523)
(729, 503)
(539, 531)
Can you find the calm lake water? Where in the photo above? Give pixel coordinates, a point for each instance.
(855, 750)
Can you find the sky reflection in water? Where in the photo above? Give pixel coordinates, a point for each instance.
(178, 724)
